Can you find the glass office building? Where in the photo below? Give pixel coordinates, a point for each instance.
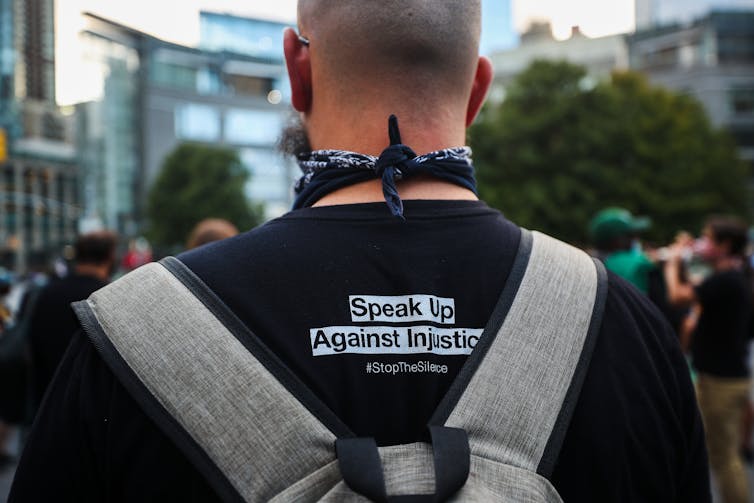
(108, 130)
(497, 27)
(38, 171)
(653, 13)
(253, 37)
(230, 90)
(711, 59)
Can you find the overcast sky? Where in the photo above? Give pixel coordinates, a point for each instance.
(178, 21)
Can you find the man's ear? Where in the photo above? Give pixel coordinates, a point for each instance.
(299, 70)
(482, 82)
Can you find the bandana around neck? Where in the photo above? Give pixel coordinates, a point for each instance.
(325, 171)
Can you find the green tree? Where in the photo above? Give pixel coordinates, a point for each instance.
(560, 148)
(197, 182)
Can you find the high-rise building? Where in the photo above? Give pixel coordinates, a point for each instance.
(154, 95)
(7, 63)
(38, 172)
(36, 37)
(653, 13)
(108, 128)
(497, 26)
(711, 59)
(600, 56)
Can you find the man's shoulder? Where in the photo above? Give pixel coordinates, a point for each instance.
(298, 239)
(632, 324)
(631, 318)
(637, 364)
(636, 417)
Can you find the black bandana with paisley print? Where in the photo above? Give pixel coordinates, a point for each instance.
(325, 171)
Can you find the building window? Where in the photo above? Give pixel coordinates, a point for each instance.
(743, 136)
(174, 76)
(208, 82)
(257, 38)
(736, 48)
(246, 85)
(742, 100)
(662, 58)
(252, 127)
(197, 122)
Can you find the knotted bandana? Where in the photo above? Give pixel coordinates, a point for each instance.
(328, 170)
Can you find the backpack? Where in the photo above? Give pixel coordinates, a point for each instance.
(257, 433)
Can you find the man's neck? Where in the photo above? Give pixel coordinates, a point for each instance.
(365, 130)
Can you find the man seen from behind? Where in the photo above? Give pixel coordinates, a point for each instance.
(363, 311)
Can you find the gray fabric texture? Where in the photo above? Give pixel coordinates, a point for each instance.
(271, 447)
(488, 481)
(408, 469)
(211, 384)
(514, 398)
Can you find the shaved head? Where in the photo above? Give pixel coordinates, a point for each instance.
(416, 46)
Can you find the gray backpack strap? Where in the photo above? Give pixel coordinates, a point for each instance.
(189, 356)
(207, 382)
(516, 393)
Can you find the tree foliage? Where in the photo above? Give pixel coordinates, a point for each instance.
(560, 148)
(197, 182)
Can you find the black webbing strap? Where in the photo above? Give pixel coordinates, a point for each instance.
(361, 467)
(452, 457)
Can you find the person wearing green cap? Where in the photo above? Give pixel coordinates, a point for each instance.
(613, 231)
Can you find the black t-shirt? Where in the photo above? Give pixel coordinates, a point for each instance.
(53, 323)
(295, 282)
(720, 342)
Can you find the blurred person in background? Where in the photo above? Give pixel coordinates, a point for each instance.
(717, 331)
(52, 319)
(18, 300)
(6, 284)
(139, 253)
(5, 318)
(614, 234)
(209, 230)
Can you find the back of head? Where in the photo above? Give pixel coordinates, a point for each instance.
(96, 248)
(417, 46)
(613, 228)
(731, 230)
(209, 230)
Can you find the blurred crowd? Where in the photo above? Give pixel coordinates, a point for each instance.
(703, 285)
(37, 322)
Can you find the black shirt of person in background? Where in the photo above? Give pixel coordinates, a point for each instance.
(53, 322)
(719, 346)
